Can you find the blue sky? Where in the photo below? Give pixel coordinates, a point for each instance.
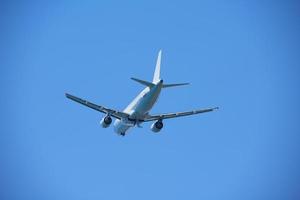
(242, 56)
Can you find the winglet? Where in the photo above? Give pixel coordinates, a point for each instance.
(156, 77)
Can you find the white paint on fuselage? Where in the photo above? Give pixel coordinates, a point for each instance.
(139, 108)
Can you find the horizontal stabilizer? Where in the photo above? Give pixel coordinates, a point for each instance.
(174, 85)
(146, 83)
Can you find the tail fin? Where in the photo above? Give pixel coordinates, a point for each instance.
(156, 76)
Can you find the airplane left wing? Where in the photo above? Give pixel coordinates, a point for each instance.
(111, 112)
(178, 114)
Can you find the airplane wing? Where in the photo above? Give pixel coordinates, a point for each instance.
(111, 112)
(178, 114)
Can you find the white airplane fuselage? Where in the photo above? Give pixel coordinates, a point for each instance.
(138, 108)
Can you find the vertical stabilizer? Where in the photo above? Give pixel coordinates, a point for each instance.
(156, 76)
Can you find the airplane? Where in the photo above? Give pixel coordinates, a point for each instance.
(137, 112)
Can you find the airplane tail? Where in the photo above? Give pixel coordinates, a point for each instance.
(156, 76)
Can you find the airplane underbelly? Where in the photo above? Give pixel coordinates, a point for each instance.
(144, 106)
(121, 127)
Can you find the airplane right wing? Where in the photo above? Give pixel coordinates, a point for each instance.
(111, 112)
(178, 114)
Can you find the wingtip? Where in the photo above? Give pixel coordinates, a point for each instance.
(67, 95)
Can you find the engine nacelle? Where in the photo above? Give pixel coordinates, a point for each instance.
(106, 121)
(157, 126)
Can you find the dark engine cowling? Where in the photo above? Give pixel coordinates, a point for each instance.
(157, 126)
(106, 121)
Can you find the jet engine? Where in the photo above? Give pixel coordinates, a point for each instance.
(157, 126)
(106, 121)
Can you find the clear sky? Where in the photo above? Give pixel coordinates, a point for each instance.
(242, 56)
